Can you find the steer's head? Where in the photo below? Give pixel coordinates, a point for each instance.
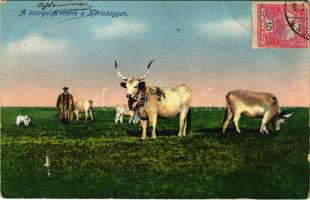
(280, 118)
(133, 86)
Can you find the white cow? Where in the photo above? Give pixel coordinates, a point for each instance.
(83, 106)
(151, 102)
(121, 110)
(23, 119)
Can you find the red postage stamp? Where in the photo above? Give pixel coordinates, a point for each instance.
(280, 25)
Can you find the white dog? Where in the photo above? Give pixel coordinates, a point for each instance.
(20, 119)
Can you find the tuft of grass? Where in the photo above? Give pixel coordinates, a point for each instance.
(99, 159)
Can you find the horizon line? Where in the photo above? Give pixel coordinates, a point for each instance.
(11, 106)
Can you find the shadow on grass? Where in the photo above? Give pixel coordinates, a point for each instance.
(231, 132)
(228, 131)
(213, 132)
(136, 133)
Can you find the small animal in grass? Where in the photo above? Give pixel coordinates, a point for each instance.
(47, 165)
(23, 120)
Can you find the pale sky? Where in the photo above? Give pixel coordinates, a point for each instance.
(206, 45)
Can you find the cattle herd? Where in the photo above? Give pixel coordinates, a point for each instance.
(146, 103)
(149, 102)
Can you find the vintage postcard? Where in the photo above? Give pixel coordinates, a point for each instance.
(154, 99)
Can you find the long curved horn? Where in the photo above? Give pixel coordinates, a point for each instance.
(145, 74)
(287, 114)
(118, 73)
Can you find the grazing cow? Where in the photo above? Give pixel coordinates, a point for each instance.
(121, 110)
(254, 104)
(23, 119)
(83, 106)
(149, 102)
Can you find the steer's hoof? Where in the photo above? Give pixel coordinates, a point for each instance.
(264, 132)
(153, 139)
(142, 139)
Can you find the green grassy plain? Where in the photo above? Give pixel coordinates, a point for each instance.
(102, 160)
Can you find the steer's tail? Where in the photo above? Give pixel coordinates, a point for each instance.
(227, 109)
(188, 120)
(225, 115)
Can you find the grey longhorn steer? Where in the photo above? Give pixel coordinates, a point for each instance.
(149, 102)
(254, 104)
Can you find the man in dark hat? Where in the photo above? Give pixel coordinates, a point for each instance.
(65, 106)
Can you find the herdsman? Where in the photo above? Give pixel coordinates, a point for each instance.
(65, 106)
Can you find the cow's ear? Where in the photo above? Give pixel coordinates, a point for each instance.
(123, 84)
(141, 85)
